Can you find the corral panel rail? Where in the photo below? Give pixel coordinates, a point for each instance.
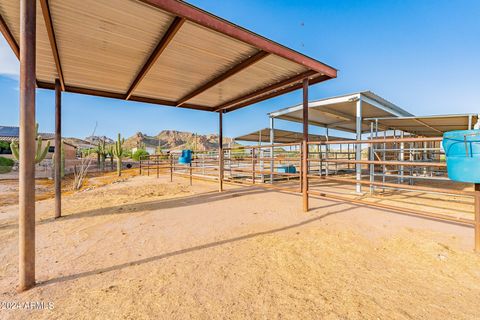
(414, 183)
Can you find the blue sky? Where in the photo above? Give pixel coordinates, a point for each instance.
(422, 55)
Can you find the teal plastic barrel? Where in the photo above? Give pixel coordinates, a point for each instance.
(462, 150)
(186, 157)
(287, 169)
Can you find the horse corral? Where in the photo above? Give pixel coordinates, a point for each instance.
(380, 156)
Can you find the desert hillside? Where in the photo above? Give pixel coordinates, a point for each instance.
(172, 139)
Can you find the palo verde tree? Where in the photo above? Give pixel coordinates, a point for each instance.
(40, 153)
(118, 152)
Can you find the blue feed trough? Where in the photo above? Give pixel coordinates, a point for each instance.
(186, 157)
(462, 149)
(287, 169)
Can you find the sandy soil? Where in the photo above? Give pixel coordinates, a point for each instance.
(146, 248)
(44, 188)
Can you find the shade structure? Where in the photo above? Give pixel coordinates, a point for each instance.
(428, 126)
(158, 51)
(282, 136)
(340, 112)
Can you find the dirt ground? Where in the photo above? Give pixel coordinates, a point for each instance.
(44, 188)
(143, 248)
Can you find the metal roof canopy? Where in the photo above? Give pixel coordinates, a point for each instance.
(340, 112)
(164, 52)
(282, 136)
(428, 126)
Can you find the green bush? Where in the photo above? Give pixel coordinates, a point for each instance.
(140, 153)
(6, 165)
(4, 147)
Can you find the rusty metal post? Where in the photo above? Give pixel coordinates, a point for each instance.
(26, 206)
(220, 151)
(140, 165)
(158, 165)
(190, 172)
(477, 217)
(253, 165)
(148, 165)
(171, 167)
(305, 146)
(358, 147)
(58, 149)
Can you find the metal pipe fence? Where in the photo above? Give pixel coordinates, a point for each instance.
(279, 166)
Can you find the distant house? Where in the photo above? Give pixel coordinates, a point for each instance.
(11, 134)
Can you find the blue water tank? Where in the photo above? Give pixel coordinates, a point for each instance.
(287, 169)
(186, 157)
(462, 150)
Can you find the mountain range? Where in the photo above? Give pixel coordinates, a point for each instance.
(166, 140)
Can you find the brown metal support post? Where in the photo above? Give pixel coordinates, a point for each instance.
(171, 167)
(190, 169)
(305, 146)
(477, 217)
(140, 166)
(253, 165)
(26, 215)
(58, 149)
(158, 166)
(220, 151)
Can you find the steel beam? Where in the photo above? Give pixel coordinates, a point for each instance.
(277, 93)
(358, 147)
(272, 149)
(58, 149)
(115, 95)
(207, 20)
(9, 37)
(276, 86)
(53, 42)
(26, 206)
(157, 52)
(305, 147)
(220, 151)
(477, 217)
(224, 76)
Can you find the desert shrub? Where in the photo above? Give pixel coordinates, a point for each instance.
(140, 153)
(6, 165)
(4, 147)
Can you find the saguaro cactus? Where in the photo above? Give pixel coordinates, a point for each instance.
(110, 154)
(102, 152)
(40, 153)
(118, 153)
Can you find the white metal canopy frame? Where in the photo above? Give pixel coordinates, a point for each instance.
(164, 52)
(282, 136)
(345, 113)
(427, 126)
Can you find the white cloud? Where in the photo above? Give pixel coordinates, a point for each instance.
(9, 65)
